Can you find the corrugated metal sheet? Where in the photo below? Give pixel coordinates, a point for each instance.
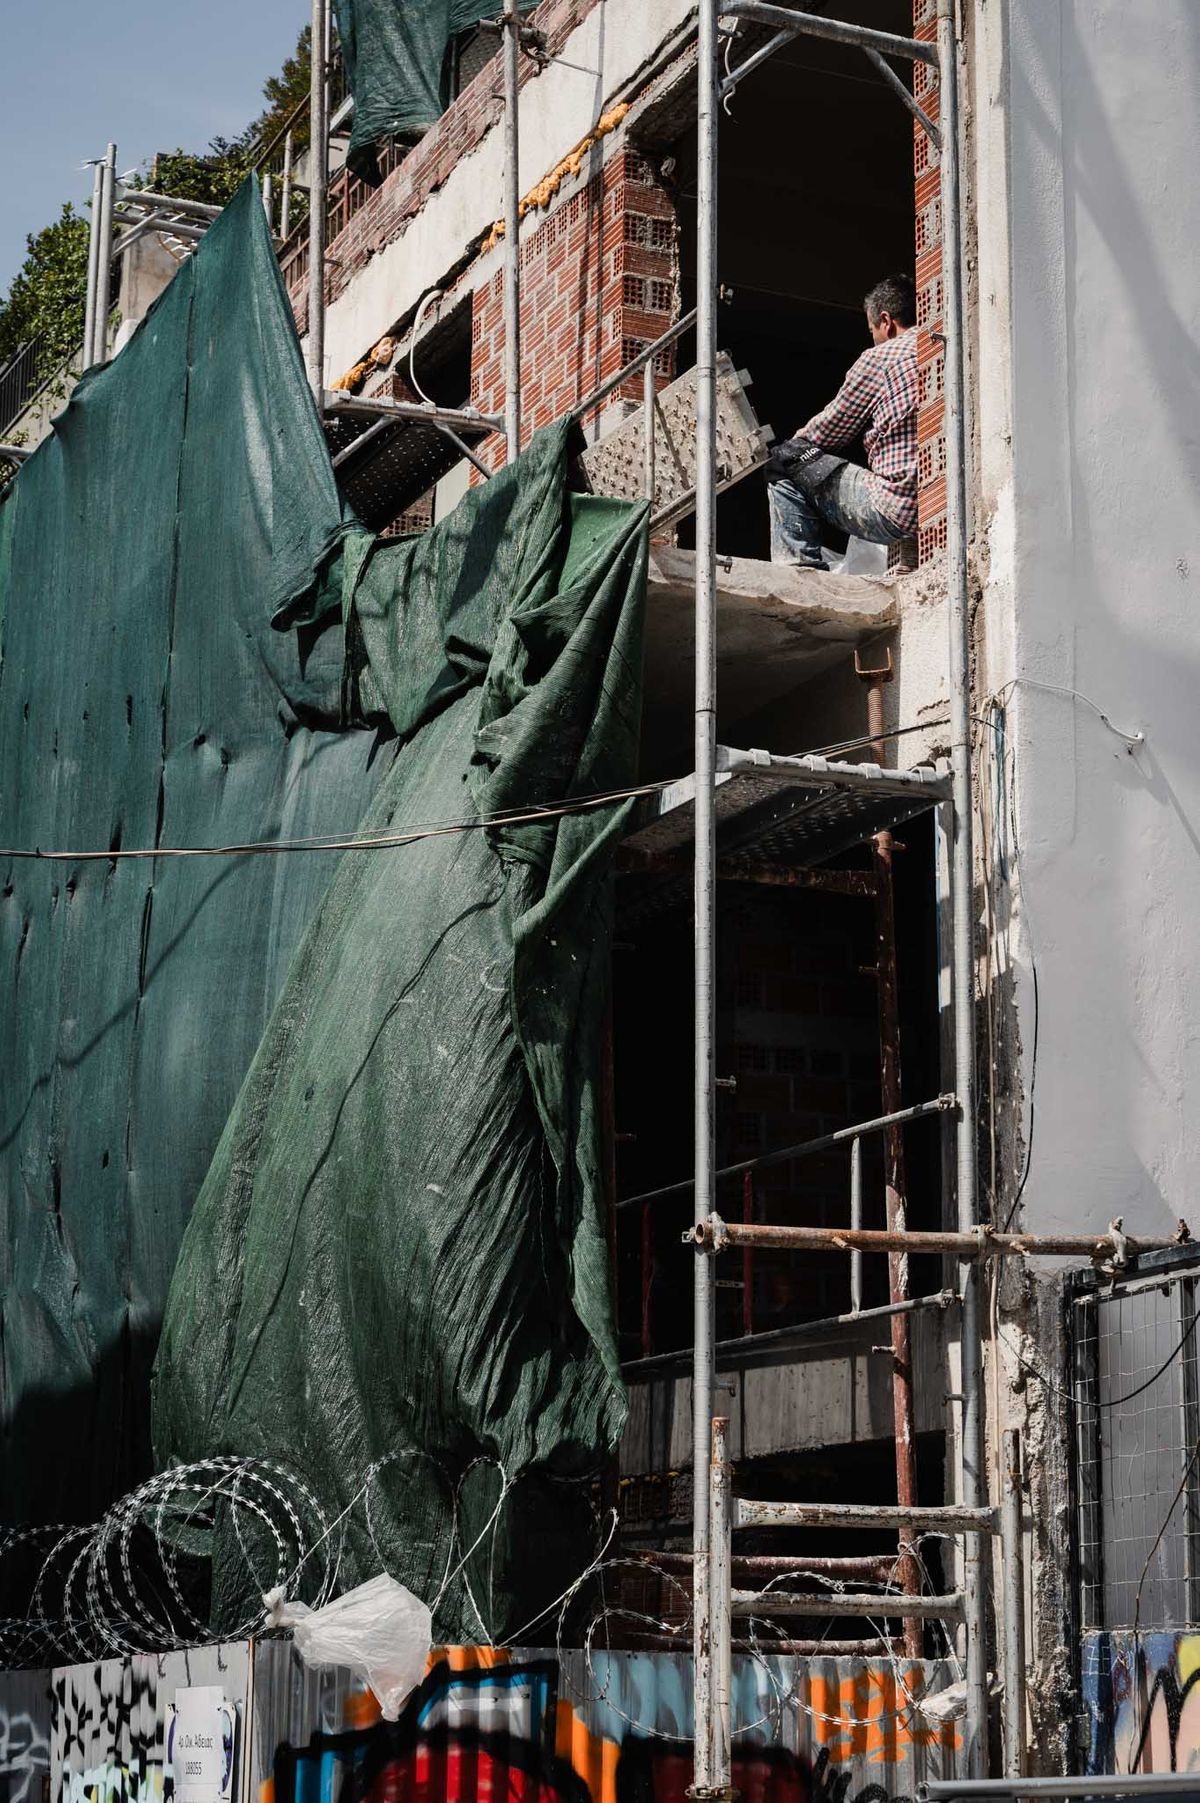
(606, 1726)
(530, 1723)
(108, 1720)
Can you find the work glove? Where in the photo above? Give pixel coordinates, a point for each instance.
(800, 461)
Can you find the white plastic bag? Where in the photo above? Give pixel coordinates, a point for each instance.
(381, 1631)
(861, 558)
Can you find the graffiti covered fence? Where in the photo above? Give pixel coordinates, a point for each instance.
(566, 1727)
(525, 1725)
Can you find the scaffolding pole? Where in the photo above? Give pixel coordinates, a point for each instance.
(887, 984)
(512, 233)
(1012, 1564)
(719, 1235)
(720, 1481)
(89, 316)
(318, 183)
(971, 1438)
(102, 221)
(200, 210)
(285, 198)
(706, 1783)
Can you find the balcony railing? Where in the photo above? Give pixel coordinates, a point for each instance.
(20, 380)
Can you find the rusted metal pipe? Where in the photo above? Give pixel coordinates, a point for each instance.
(877, 1566)
(610, 1476)
(748, 1255)
(719, 1236)
(838, 1603)
(647, 1282)
(872, 1647)
(944, 1518)
(895, 1189)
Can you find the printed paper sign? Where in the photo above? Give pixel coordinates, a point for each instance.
(200, 1745)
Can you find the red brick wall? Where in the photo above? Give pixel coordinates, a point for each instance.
(598, 283)
(363, 220)
(931, 437)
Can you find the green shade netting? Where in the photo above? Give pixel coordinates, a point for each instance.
(397, 56)
(397, 1266)
(146, 701)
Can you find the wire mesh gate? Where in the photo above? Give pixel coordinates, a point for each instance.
(1135, 1391)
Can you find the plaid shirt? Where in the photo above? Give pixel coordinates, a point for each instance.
(880, 394)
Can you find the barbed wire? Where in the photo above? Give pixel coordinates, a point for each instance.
(138, 1580)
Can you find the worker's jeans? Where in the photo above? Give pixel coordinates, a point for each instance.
(842, 500)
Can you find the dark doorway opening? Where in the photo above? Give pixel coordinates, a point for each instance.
(816, 203)
(798, 1056)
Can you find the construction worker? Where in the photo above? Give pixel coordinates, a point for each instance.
(809, 484)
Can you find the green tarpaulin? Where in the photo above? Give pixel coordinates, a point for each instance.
(146, 700)
(398, 1263)
(396, 1267)
(397, 55)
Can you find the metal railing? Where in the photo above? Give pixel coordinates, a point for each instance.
(851, 1137)
(20, 379)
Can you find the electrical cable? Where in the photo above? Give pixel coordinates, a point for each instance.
(1110, 1402)
(376, 842)
(516, 816)
(1132, 739)
(897, 732)
(993, 722)
(434, 294)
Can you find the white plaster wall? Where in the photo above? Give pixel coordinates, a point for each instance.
(1100, 561)
(557, 110)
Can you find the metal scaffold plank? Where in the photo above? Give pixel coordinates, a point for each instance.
(807, 808)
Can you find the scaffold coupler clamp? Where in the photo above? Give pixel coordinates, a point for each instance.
(708, 1236)
(1118, 1242)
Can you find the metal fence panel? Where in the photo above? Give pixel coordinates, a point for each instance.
(1137, 1453)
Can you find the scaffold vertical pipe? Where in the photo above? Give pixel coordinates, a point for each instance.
(318, 184)
(285, 197)
(649, 398)
(703, 1350)
(971, 1442)
(108, 187)
(720, 1584)
(856, 1221)
(1013, 1587)
(512, 232)
(89, 317)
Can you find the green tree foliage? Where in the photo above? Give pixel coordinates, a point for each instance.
(47, 296)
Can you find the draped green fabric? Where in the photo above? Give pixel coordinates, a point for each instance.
(397, 56)
(343, 1107)
(397, 1266)
(146, 701)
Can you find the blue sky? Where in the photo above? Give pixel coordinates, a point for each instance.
(76, 73)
